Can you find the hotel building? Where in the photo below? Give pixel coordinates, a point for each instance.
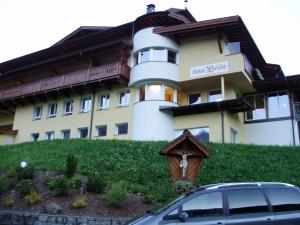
(150, 79)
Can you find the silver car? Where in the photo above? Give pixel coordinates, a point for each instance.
(232, 204)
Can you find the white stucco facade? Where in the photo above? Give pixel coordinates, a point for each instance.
(270, 133)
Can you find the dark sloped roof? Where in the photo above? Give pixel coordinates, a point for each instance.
(186, 136)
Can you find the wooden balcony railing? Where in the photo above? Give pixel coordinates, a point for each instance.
(113, 72)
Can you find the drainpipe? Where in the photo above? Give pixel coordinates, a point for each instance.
(222, 125)
(291, 110)
(92, 115)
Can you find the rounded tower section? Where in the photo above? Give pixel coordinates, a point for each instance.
(154, 74)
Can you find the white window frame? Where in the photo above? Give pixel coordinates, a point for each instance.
(234, 136)
(218, 100)
(83, 128)
(63, 132)
(35, 116)
(65, 107)
(32, 136)
(127, 98)
(117, 128)
(86, 108)
(97, 130)
(138, 56)
(49, 109)
(107, 100)
(49, 135)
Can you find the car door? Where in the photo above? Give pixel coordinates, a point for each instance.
(286, 205)
(204, 209)
(247, 206)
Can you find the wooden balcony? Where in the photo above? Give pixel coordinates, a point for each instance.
(102, 76)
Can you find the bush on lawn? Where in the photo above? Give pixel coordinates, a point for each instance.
(116, 194)
(79, 202)
(8, 202)
(32, 198)
(25, 173)
(24, 187)
(183, 186)
(95, 184)
(71, 165)
(75, 182)
(61, 186)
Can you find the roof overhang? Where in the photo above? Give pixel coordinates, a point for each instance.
(232, 105)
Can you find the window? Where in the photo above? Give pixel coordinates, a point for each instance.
(122, 128)
(124, 98)
(259, 112)
(83, 132)
(204, 205)
(68, 107)
(154, 92)
(246, 201)
(52, 108)
(142, 93)
(66, 134)
(159, 55)
(136, 59)
(169, 94)
(102, 131)
(171, 56)
(233, 136)
(194, 99)
(49, 135)
(278, 104)
(215, 96)
(104, 101)
(233, 48)
(35, 136)
(202, 134)
(37, 112)
(283, 199)
(86, 103)
(145, 56)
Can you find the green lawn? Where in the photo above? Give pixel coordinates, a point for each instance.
(144, 170)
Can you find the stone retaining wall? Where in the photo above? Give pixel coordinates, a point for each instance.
(19, 218)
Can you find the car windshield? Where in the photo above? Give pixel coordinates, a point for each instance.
(161, 207)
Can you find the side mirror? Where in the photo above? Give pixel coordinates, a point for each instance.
(183, 216)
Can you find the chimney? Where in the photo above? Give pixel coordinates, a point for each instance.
(150, 8)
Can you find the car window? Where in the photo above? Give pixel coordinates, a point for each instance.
(283, 199)
(204, 205)
(246, 201)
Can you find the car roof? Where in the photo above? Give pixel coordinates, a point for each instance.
(247, 184)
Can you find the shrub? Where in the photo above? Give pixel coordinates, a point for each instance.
(61, 186)
(11, 171)
(8, 202)
(116, 194)
(25, 173)
(4, 184)
(95, 184)
(32, 198)
(183, 186)
(24, 187)
(49, 181)
(79, 202)
(148, 199)
(71, 165)
(75, 182)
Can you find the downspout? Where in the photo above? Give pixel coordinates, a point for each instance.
(222, 124)
(291, 110)
(92, 115)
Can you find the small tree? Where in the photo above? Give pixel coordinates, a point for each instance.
(71, 165)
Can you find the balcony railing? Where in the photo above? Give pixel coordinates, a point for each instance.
(113, 72)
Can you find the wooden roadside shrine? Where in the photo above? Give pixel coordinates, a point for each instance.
(184, 156)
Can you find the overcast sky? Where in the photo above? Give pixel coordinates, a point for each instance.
(31, 25)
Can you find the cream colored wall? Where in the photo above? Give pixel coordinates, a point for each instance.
(211, 120)
(6, 139)
(26, 125)
(114, 114)
(199, 51)
(236, 122)
(5, 120)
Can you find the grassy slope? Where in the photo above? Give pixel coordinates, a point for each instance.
(144, 170)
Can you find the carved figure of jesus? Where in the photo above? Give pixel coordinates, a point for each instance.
(184, 164)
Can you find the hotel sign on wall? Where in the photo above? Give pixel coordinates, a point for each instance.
(209, 69)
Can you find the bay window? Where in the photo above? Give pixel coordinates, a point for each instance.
(278, 104)
(155, 55)
(157, 92)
